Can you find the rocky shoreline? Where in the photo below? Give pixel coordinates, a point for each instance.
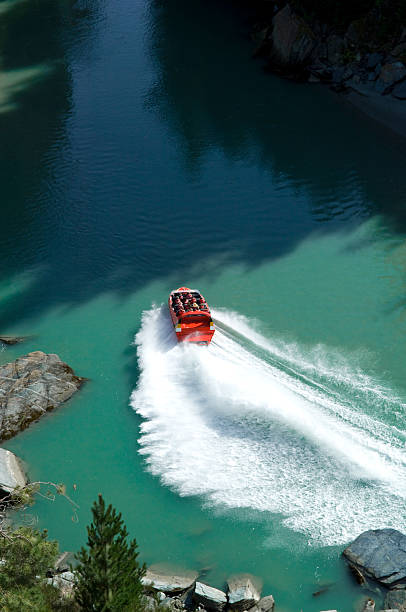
(376, 559)
(186, 592)
(36, 383)
(368, 70)
(30, 387)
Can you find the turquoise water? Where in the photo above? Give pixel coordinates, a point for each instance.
(142, 149)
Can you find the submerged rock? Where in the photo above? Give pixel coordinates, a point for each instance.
(11, 472)
(396, 600)
(380, 554)
(65, 561)
(369, 605)
(30, 386)
(11, 339)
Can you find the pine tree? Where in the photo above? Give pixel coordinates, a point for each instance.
(109, 574)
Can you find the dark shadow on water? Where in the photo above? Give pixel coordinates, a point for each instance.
(264, 162)
(213, 94)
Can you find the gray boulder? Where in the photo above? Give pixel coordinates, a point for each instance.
(30, 386)
(364, 89)
(266, 604)
(65, 583)
(11, 472)
(292, 39)
(210, 598)
(390, 75)
(373, 60)
(396, 600)
(149, 604)
(380, 554)
(162, 579)
(399, 91)
(172, 604)
(243, 592)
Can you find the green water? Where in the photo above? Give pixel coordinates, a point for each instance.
(142, 149)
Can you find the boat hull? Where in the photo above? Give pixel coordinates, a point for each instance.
(190, 316)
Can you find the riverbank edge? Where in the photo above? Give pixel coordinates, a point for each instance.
(368, 74)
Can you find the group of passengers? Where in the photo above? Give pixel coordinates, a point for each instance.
(186, 302)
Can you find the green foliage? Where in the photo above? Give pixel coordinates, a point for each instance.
(27, 555)
(109, 574)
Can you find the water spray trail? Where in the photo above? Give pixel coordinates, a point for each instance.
(250, 423)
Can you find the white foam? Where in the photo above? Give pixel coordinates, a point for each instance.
(250, 423)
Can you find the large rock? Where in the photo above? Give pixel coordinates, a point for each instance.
(65, 583)
(210, 598)
(266, 604)
(373, 60)
(11, 472)
(243, 592)
(390, 75)
(399, 91)
(162, 579)
(30, 386)
(364, 89)
(380, 554)
(292, 39)
(396, 600)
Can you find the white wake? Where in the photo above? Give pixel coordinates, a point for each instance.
(250, 423)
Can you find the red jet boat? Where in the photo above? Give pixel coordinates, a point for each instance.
(190, 316)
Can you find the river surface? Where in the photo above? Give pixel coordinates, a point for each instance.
(143, 149)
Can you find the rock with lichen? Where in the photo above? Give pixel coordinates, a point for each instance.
(30, 386)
